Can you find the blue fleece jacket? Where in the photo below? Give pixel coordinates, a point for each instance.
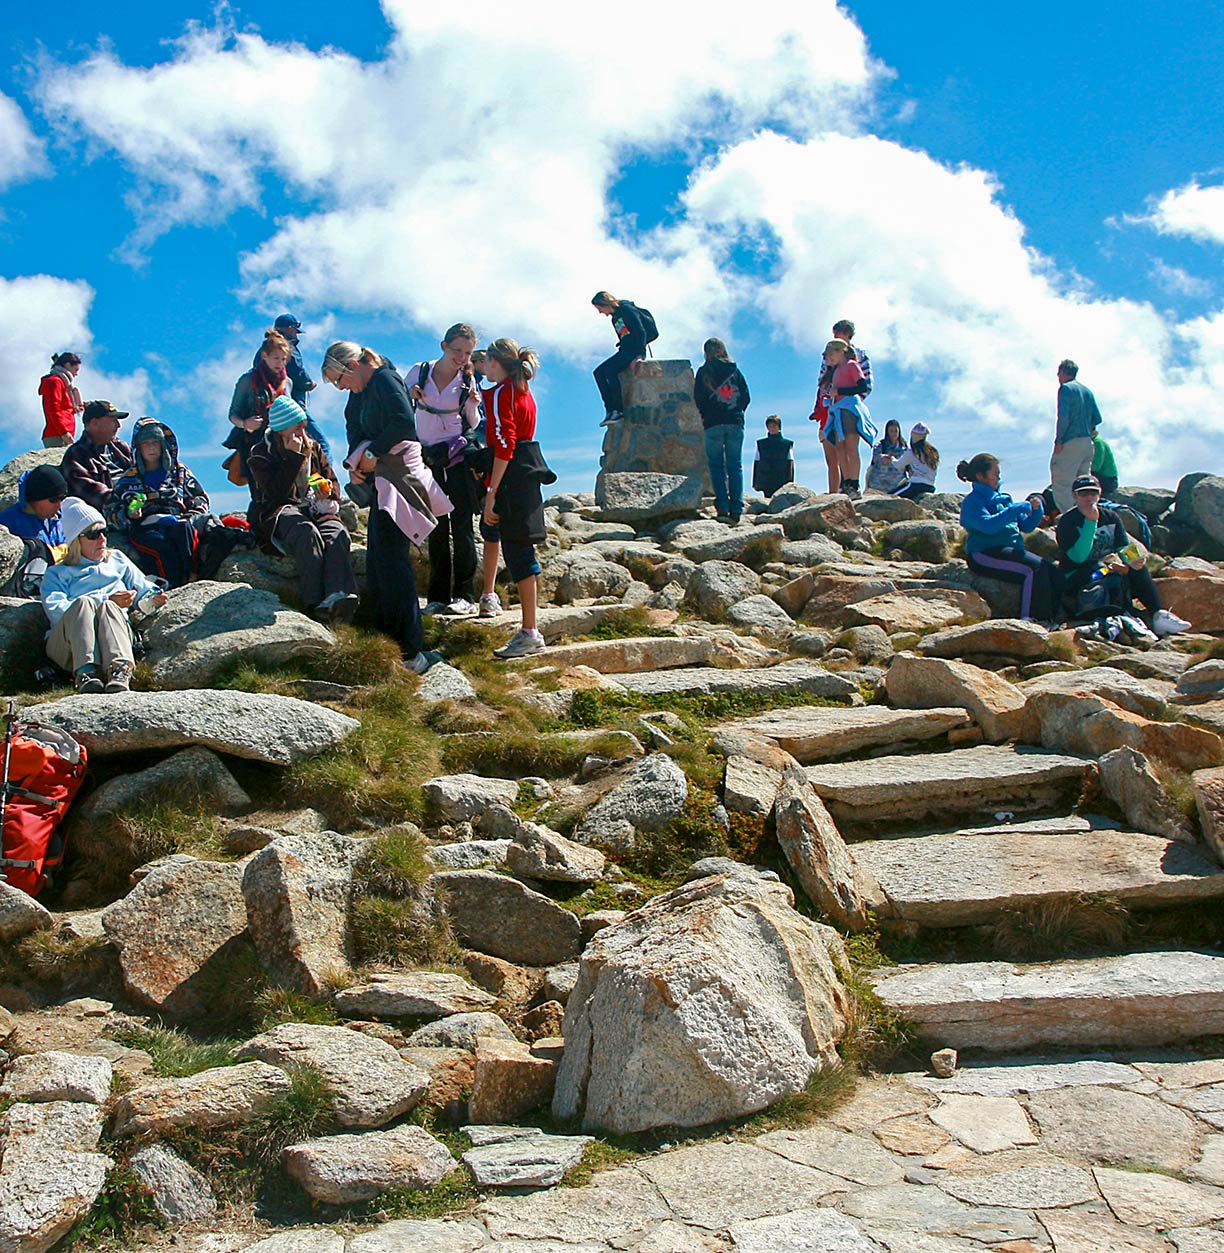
(993, 520)
(99, 580)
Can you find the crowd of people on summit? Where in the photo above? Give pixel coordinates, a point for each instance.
(448, 448)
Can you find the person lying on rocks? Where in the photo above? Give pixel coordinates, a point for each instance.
(89, 598)
(296, 511)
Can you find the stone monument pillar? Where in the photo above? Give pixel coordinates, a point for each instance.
(661, 432)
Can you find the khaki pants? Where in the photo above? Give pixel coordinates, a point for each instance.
(1066, 466)
(57, 441)
(91, 633)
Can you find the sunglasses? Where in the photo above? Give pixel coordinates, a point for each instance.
(96, 532)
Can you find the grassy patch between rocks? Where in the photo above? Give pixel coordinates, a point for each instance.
(632, 622)
(60, 963)
(273, 1006)
(175, 1054)
(122, 1211)
(1051, 929)
(597, 1156)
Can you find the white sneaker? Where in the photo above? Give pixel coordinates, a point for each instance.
(1138, 629)
(490, 605)
(1166, 622)
(458, 608)
(422, 661)
(522, 644)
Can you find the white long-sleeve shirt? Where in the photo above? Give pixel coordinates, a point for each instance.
(433, 428)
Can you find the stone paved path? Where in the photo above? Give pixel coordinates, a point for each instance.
(1029, 1155)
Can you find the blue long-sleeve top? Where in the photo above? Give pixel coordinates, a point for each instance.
(98, 580)
(993, 520)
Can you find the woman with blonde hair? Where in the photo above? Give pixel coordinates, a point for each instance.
(380, 425)
(87, 598)
(514, 503)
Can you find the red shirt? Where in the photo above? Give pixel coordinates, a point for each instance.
(511, 416)
(57, 407)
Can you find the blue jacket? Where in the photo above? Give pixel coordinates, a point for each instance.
(99, 580)
(25, 525)
(993, 520)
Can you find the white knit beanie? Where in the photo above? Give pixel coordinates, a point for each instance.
(76, 517)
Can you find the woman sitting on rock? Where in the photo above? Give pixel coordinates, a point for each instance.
(994, 546)
(918, 464)
(88, 598)
(882, 474)
(296, 511)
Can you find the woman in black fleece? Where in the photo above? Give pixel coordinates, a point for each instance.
(722, 396)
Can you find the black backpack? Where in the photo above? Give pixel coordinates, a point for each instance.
(649, 326)
(25, 583)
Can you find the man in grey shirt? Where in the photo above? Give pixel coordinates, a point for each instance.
(1078, 417)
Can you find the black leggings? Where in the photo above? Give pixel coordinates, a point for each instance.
(607, 377)
(1040, 580)
(391, 583)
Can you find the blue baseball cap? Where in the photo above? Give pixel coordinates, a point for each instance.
(287, 319)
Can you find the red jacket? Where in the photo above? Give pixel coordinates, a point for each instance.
(511, 417)
(57, 407)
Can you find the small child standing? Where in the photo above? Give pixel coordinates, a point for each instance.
(514, 503)
(774, 465)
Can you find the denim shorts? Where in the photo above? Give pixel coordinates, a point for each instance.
(490, 534)
(520, 561)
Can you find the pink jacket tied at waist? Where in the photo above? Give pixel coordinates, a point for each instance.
(415, 517)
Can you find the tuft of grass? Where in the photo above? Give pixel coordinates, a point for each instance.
(760, 552)
(827, 1089)
(308, 1109)
(402, 933)
(175, 1054)
(603, 708)
(513, 753)
(1058, 928)
(57, 959)
(631, 622)
(273, 1006)
(667, 854)
(598, 1155)
(643, 569)
(122, 1210)
(452, 1197)
(395, 863)
(359, 659)
(377, 771)
(1179, 786)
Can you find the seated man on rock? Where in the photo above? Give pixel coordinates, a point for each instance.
(99, 457)
(36, 515)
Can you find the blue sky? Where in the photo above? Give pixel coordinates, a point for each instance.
(983, 189)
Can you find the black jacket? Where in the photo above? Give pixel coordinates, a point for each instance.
(721, 394)
(520, 501)
(774, 465)
(381, 413)
(275, 486)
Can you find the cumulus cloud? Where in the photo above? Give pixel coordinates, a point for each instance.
(1193, 211)
(41, 315)
(21, 151)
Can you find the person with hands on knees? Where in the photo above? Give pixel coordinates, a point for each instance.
(514, 503)
(89, 599)
(1096, 548)
(296, 511)
(994, 546)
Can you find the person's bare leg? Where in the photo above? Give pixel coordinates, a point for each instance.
(489, 563)
(853, 460)
(833, 462)
(527, 602)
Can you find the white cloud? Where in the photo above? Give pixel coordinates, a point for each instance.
(41, 315)
(1179, 282)
(1192, 211)
(21, 151)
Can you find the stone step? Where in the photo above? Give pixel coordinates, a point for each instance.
(907, 788)
(624, 656)
(958, 880)
(814, 733)
(779, 680)
(559, 621)
(1134, 999)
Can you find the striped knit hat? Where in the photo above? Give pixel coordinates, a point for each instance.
(285, 413)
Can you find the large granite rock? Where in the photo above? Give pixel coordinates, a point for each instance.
(816, 852)
(929, 682)
(411, 994)
(717, 586)
(639, 653)
(505, 918)
(1209, 799)
(462, 797)
(23, 627)
(298, 890)
(57, 1076)
(279, 730)
(1004, 637)
(1208, 505)
(521, 1157)
(650, 797)
(178, 1192)
(20, 914)
(662, 430)
(646, 497)
(815, 732)
(370, 1083)
(1199, 600)
(1132, 785)
(340, 1170)
(541, 854)
(918, 609)
(206, 626)
(969, 780)
(782, 679)
(1129, 691)
(960, 880)
(709, 1002)
(180, 919)
(226, 1096)
(1137, 999)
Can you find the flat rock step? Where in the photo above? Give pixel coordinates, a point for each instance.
(789, 676)
(559, 621)
(1134, 999)
(627, 655)
(978, 780)
(957, 880)
(813, 733)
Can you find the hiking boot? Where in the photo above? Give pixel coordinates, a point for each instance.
(460, 607)
(522, 644)
(119, 677)
(87, 681)
(490, 605)
(422, 661)
(338, 607)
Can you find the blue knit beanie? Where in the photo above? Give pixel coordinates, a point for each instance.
(285, 413)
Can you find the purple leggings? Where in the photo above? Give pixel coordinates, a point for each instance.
(1040, 580)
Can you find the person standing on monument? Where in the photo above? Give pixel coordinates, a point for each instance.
(1078, 419)
(721, 395)
(632, 336)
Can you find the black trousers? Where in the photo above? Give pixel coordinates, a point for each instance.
(607, 378)
(320, 550)
(454, 532)
(391, 583)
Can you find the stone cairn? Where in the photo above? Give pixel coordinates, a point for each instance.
(919, 769)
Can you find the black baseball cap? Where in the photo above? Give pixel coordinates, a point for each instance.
(103, 409)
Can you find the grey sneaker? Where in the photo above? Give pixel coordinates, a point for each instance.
(522, 644)
(490, 605)
(612, 419)
(458, 608)
(422, 661)
(338, 607)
